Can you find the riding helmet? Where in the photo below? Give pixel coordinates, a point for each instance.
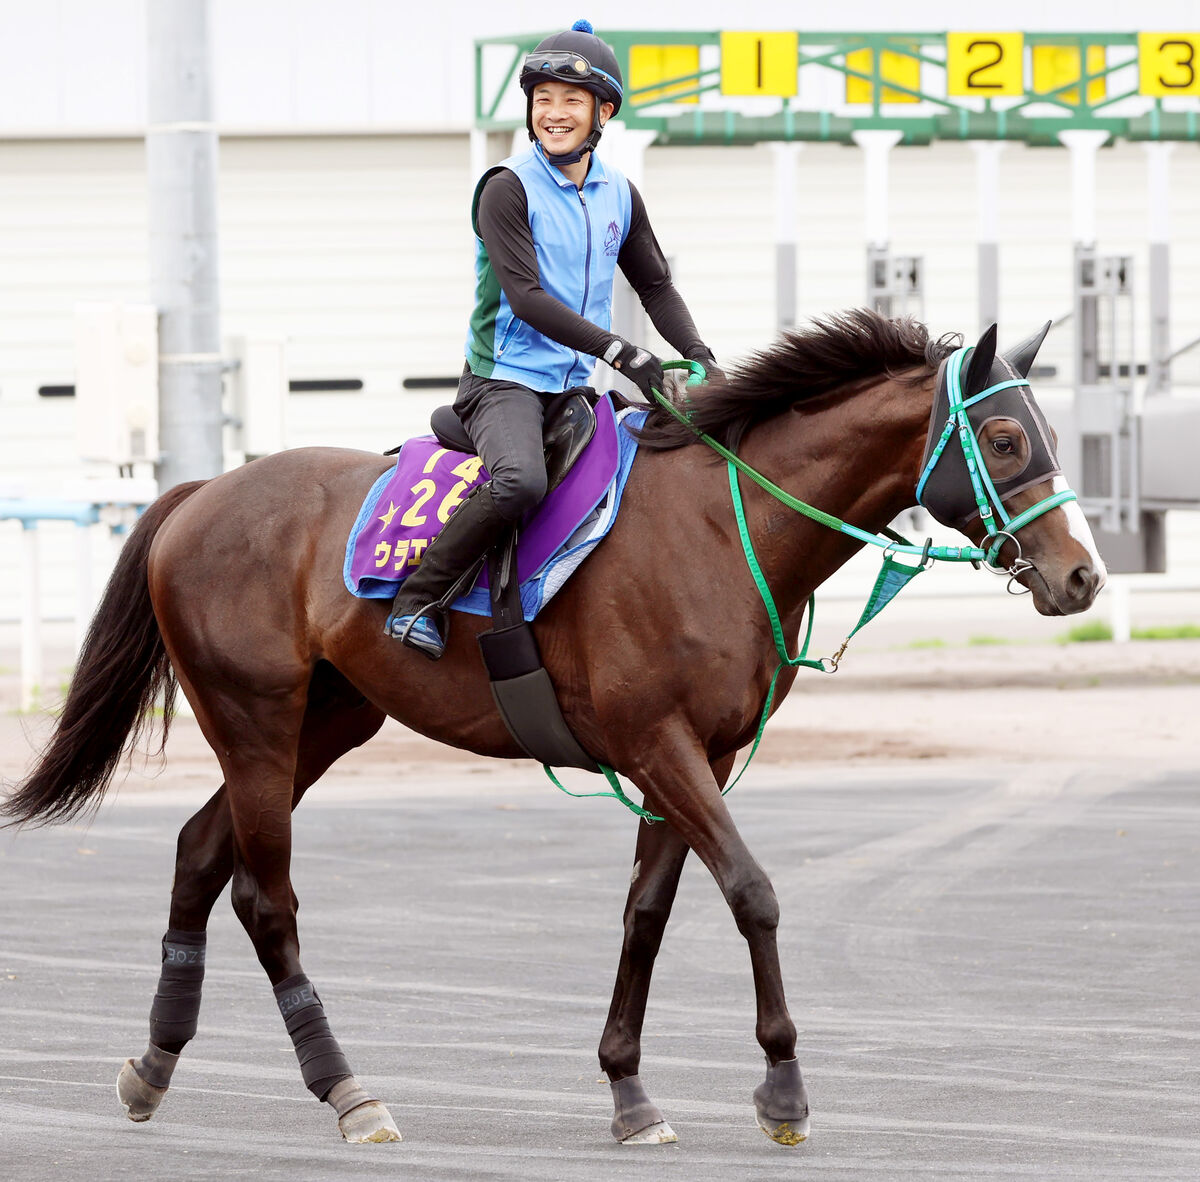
(581, 58)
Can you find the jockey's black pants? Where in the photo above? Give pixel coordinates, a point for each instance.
(504, 421)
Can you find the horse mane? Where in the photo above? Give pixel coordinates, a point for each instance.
(835, 352)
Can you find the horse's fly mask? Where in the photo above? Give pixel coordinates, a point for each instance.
(992, 387)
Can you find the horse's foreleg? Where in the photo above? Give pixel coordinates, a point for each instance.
(657, 865)
(688, 796)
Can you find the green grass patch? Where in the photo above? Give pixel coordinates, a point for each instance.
(984, 641)
(1167, 632)
(1084, 633)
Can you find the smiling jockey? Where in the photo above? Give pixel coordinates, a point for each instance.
(552, 225)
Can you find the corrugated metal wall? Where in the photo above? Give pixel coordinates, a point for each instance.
(358, 250)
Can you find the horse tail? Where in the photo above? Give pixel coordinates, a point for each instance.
(122, 671)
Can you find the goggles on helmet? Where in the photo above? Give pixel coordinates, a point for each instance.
(563, 66)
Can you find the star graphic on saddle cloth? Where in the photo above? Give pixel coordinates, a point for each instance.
(387, 517)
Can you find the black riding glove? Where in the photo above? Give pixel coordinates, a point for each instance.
(640, 366)
(712, 371)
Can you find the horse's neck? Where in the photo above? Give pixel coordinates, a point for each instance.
(856, 457)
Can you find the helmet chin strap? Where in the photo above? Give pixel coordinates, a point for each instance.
(588, 145)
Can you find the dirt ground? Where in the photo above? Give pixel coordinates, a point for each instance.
(1092, 703)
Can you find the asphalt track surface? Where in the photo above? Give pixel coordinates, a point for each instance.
(994, 977)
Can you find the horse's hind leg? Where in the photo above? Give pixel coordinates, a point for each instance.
(336, 719)
(657, 865)
(260, 796)
(203, 865)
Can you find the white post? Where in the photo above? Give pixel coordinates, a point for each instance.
(479, 153)
(84, 602)
(876, 144)
(625, 148)
(1119, 608)
(785, 234)
(31, 617)
(987, 176)
(1083, 144)
(1158, 178)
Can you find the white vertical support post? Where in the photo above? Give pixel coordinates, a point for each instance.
(987, 176)
(1083, 144)
(1158, 179)
(479, 153)
(626, 148)
(785, 234)
(84, 603)
(1119, 609)
(31, 617)
(876, 143)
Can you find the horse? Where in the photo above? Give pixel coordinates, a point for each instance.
(232, 589)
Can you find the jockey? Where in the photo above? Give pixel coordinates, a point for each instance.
(551, 225)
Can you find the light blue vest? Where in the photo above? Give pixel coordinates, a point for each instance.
(577, 235)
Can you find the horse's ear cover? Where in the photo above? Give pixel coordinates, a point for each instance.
(980, 366)
(1021, 356)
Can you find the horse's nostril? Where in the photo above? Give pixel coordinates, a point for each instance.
(1083, 582)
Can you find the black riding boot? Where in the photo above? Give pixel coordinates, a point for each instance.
(468, 534)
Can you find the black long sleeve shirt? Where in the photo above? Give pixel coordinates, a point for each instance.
(503, 220)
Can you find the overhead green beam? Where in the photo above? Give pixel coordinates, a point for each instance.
(1014, 87)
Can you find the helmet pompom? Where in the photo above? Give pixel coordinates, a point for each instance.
(582, 26)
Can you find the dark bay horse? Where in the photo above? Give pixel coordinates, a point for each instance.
(659, 648)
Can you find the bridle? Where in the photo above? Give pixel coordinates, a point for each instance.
(999, 526)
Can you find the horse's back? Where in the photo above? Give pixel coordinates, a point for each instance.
(254, 552)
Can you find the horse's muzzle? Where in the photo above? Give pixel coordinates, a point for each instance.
(1074, 593)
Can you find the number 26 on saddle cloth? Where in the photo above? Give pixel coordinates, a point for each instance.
(408, 505)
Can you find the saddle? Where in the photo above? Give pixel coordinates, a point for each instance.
(567, 428)
(521, 687)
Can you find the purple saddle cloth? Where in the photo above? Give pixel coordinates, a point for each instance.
(409, 504)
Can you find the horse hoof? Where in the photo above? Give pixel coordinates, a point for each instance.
(659, 1133)
(370, 1122)
(781, 1104)
(139, 1098)
(785, 1132)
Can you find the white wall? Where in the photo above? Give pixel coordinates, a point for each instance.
(80, 65)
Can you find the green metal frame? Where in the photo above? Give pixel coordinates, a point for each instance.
(957, 118)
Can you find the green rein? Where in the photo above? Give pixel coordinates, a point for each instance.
(893, 577)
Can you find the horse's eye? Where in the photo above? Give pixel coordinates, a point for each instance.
(1003, 446)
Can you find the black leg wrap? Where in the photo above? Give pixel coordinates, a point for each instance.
(322, 1063)
(176, 1007)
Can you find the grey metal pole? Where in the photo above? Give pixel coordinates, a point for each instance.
(181, 168)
